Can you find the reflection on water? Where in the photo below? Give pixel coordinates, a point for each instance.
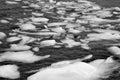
(108, 3)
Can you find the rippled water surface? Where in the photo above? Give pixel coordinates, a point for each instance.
(107, 3)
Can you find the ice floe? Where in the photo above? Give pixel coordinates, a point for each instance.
(22, 56)
(94, 70)
(27, 26)
(9, 71)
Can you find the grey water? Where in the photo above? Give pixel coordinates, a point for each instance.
(107, 3)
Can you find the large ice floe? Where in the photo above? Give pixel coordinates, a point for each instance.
(9, 71)
(77, 70)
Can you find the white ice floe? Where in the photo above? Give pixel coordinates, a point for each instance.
(58, 30)
(9, 71)
(36, 6)
(36, 49)
(74, 15)
(12, 39)
(25, 39)
(103, 13)
(51, 1)
(40, 33)
(114, 50)
(67, 19)
(106, 31)
(82, 21)
(73, 31)
(18, 47)
(39, 19)
(1, 42)
(4, 21)
(17, 0)
(57, 24)
(85, 46)
(22, 56)
(93, 19)
(47, 43)
(27, 26)
(94, 70)
(37, 14)
(102, 36)
(11, 2)
(2, 35)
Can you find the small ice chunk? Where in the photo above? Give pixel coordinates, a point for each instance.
(59, 64)
(58, 30)
(11, 2)
(85, 46)
(2, 35)
(47, 43)
(40, 33)
(57, 24)
(17, 0)
(25, 39)
(12, 39)
(18, 47)
(37, 14)
(39, 19)
(117, 8)
(1, 42)
(106, 31)
(4, 21)
(70, 42)
(36, 49)
(34, 5)
(51, 1)
(74, 31)
(114, 50)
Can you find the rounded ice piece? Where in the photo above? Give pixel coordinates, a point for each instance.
(2, 35)
(48, 43)
(27, 26)
(9, 71)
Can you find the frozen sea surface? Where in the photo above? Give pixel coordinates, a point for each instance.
(15, 11)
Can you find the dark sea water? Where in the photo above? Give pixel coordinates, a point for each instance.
(107, 3)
